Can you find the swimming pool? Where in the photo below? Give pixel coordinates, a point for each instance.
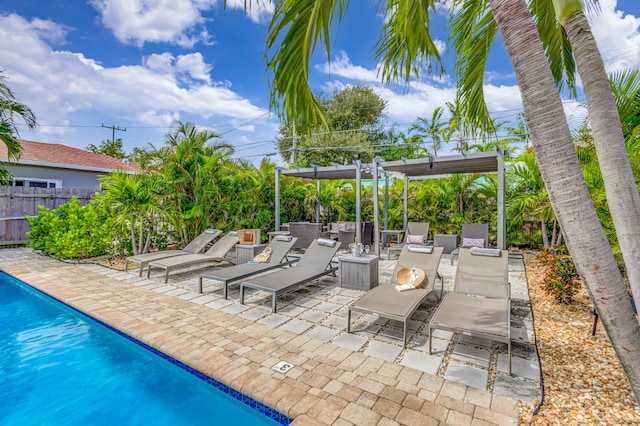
(61, 367)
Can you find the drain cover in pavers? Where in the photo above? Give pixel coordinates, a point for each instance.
(350, 341)
(466, 375)
(385, 351)
(471, 354)
(421, 361)
(529, 369)
(517, 387)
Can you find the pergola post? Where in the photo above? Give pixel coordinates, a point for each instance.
(405, 219)
(277, 213)
(358, 198)
(502, 213)
(376, 210)
(318, 202)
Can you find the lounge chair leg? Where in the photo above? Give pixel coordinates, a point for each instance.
(148, 270)
(509, 349)
(241, 294)
(199, 284)
(404, 335)
(348, 320)
(141, 267)
(166, 276)
(273, 303)
(126, 265)
(430, 331)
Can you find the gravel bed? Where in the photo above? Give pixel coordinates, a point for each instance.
(583, 380)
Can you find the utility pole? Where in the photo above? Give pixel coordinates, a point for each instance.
(113, 131)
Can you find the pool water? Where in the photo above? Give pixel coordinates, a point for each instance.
(60, 367)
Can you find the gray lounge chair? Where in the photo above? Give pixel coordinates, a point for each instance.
(476, 231)
(280, 247)
(315, 263)
(216, 254)
(480, 304)
(196, 245)
(385, 301)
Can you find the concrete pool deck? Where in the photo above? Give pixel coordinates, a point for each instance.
(362, 378)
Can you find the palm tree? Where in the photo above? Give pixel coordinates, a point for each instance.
(9, 109)
(193, 169)
(608, 139)
(404, 42)
(433, 128)
(560, 169)
(135, 199)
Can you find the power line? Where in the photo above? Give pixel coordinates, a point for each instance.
(113, 131)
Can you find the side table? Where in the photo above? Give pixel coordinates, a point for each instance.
(358, 272)
(246, 252)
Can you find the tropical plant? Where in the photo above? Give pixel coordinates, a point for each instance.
(136, 201)
(112, 148)
(355, 130)
(72, 231)
(405, 44)
(432, 129)
(10, 108)
(194, 172)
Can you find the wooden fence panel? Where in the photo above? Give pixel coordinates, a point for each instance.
(16, 202)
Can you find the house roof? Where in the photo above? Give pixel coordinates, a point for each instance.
(62, 156)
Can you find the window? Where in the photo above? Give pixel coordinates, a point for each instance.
(37, 183)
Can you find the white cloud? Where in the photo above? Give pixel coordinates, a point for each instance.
(137, 22)
(159, 90)
(259, 11)
(341, 66)
(617, 35)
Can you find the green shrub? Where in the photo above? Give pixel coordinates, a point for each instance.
(560, 277)
(72, 231)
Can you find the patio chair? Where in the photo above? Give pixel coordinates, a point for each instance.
(315, 263)
(385, 301)
(416, 233)
(280, 246)
(472, 233)
(216, 254)
(195, 246)
(305, 232)
(480, 305)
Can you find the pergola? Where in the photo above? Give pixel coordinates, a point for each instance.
(421, 168)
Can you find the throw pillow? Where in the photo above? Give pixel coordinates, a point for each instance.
(472, 242)
(415, 239)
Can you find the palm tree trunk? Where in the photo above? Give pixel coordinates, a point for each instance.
(560, 169)
(545, 236)
(619, 183)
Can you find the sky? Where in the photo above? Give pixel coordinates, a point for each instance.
(89, 69)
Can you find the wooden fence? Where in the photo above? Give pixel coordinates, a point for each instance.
(17, 202)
